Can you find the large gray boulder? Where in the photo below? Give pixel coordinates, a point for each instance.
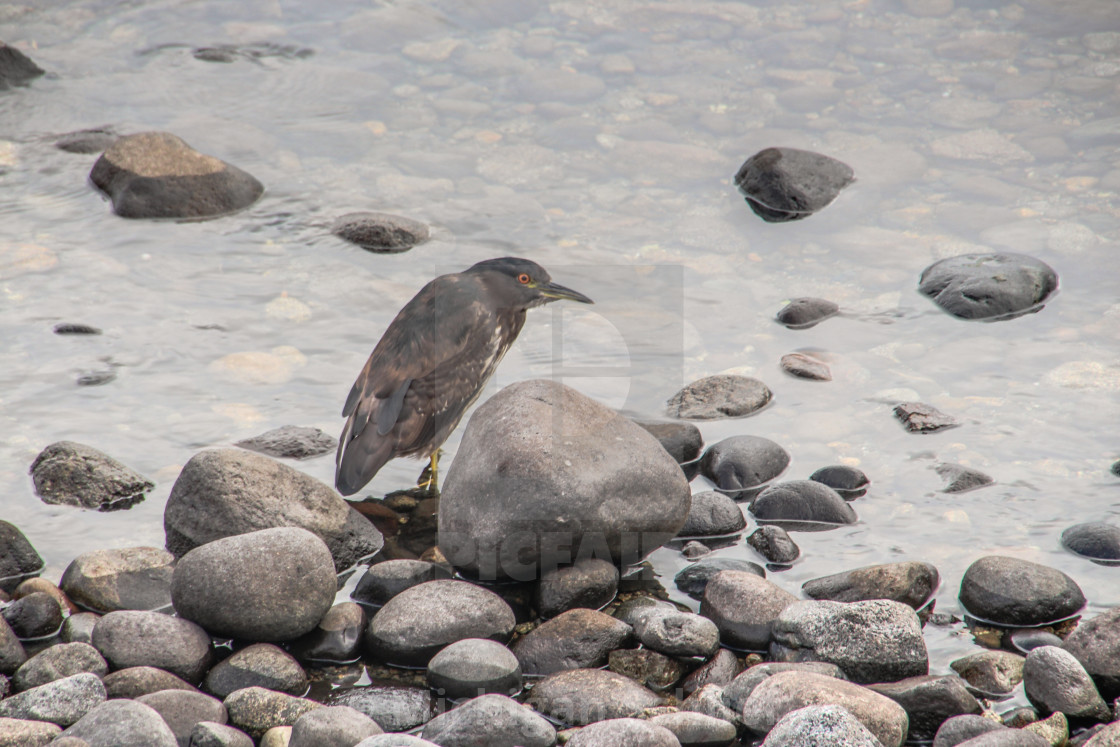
(545, 475)
(223, 492)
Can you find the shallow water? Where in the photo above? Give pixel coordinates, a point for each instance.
(599, 139)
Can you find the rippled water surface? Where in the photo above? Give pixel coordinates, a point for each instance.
(598, 138)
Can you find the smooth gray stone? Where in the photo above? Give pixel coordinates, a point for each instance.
(1018, 593)
(132, 682)
(697, 729)
(133, 638)
(833, 725)
(386, 579)
(713, 514)
(393, 707)
(785, 184)
(575, 639)
(12, 652)
(962, 728)
(802, 505)
(805, 312)
(61, 702)
(744, 608)
(211, 734)
(582, 696)
(129, 578)
(35, 616)
(1054, 680)
(682, 440)
(741, 465)
(123, 723)
(720, 396)
(261, 665)
(492, 719)
(291, 442)
(255, 710)
(736, 693)
(960, 479)
(332, 726)
(693, 578)
(678, 634)
(1096, 644)
(18, 558)
(56, 662)
(1096, 540)
(181, 710)
(380, 232)
(929, 701)
(910, 582)
(622, 732)
(337, 639)
(996, 672)
(78, 628)
(990, 286)
(473, 667)
(591, 583)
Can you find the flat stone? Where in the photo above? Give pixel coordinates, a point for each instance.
(259, 665)
(805, 312)
(473, 667)
(575, 639)
(910, 582)
(291, 442)
(130, 578)
(918, 417)
(380, 232)
(583, 696)
(929, 701)
(133, 638)
(493, 720)
(1018, 593)
(721, 396)
(744, 607)
(74, 474)
(393, 707)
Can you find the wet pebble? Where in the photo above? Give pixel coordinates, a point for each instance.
(1095, 540)
(37, 615)
(849, 482)
(132, 682)
(785, 184)
(332, 725)
(618, 732)
(720, 670)
(490, 719)
(774, 544)
(16, 68)
(805, 312)
(591, 583)
(62, 702)
(122, 723)
(582, 696)
(380, 232)
(820, 724)
(910, 582)
(255, 710)
(960, 479)
(1018, 593)
(697, 729)
(18, 557)
(989, 287)
(157, 175)
(929, 701)
(654, 670)
(720, 396)
(268, 585)
(740, 465)
(418, 622)
(877, 640)
(1055, 681)
(918, 417)
(129, 578)
(131, 638)
(291, 442)
(56, 662)
(802, 505)
(682, 440)
(393, 707)
(574, 639)
(677, 633)
(182, 709)
(712, 514)
(386, 579)
(990, 672)
(336, 639)
(258, 665)
(74, 474)
(473, 667)
(225, 492)
(805, 366)
(744, 607)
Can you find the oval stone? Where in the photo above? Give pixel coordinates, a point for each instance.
(1018, 593)
(583, 696)
(720, 396)
(739, 465)
(785, 184)
(802, 504)
(1096, 540)
(989, 286)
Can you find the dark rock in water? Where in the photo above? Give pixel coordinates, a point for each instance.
(802, 313)
(545, 475)
(380, 232)
(78, 475)
(72, 328)
(720, 670)
(803, 505)
(910, 582)
(337, 639)
(255, 51)
(821, 724)
(269, 585)
(681, 439)
(16, 68)
(735, 694)
(989, 287)
(1096, 540)
(132, 682)
(291, 442)
(744, 607)
(18, 558)
(224, 492)
(473, 667)
(1055, 681)
(804, 366)
(874, 641)
(37, 615)
(590, 583)
(255, 710)
(333, 725)
(418, 622)
(774, 544)
(960, 479)
(712, 515)
(849, 482)
(576, 639)
(583, 696)
(133, 638)
(990, 672)
(85, 142)
(386, 579)
(739, 465)
(129, 578)
(393, 707)
(693, 578)
(929, 701)
(721, 396)
(1017, 593)
(182, 709)
(493, 720)
(257, 665)
(1115, 468)
(157, 175)
(784, 184)
(918, 417)
(624, 731)
(97, 378)
(1096, 644)
(654, 670)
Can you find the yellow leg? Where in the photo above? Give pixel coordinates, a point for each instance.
(429, 478)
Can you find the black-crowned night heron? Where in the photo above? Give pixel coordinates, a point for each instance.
(432, 363)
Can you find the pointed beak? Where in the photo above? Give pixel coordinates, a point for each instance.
(559, 292)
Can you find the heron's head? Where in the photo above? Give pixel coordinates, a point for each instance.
(521, 282)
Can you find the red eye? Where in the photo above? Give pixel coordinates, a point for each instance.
(523, 279)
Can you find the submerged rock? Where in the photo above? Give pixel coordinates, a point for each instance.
(802, 313)
(157, 175)
(78, 475)
(16, 68)
(919, 417)
(960, 479)
(849, 482)
(1017, 593)
(1096, 540)
(774, 543)
(713, 515)
(802, 505)
(785, 184)
(741, 465)
(989, 286)
(291, 442)
(805, 366)
(380, 232)
(721, 396)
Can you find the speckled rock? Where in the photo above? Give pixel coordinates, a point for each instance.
(720, 396)
(332, 726)
(995, 672)
(74, 474)
(619, 732)
(212, 734)
(380, 232)
(959, 729)
(572, 640)
(678, 634)
(720, 670)
(132, 682)
(16, 732)
(1096, 644)
(130, 578)
(833, 725)
(918, 417)
(133, 638)
(708, 700)
(582, 696)
(1054, 680)
(56, 662)
(291, 442)
(656, 671)
(255, 710)
(910, 582)
(697, 729)
(473, 667)
(1019, 593)
(62, 702)
(735, 694)
(393, 707)
(123, 723)
(18, 558)
(590, 582)
(989, 286)
(494, 720)
(181, 710)
(259, 665)
(744, 607)
(785, 184)
(929, 701)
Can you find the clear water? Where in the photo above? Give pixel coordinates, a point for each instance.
(598, 138)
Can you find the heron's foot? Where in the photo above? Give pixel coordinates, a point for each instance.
(428, 484)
